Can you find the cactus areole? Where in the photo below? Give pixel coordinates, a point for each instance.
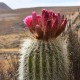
(42, 56)
(46, 26)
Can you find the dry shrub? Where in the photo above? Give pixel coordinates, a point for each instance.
(9, 67)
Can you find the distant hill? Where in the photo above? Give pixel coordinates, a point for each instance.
(3, 6)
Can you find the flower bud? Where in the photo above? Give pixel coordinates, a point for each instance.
(34, 18)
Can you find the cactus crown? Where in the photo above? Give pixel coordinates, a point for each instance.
(46, 26)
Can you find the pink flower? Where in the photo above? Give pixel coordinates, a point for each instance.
(28, 21)
(48, 25)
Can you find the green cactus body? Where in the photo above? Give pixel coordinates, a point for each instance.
(41, 60)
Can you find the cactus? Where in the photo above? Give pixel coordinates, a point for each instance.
(41, 54)
(73, 51)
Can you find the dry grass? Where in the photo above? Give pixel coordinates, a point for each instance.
(9, 67)
(9, 53)
(12, 40)
(9, 50)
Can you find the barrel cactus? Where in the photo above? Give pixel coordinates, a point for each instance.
(41, 53)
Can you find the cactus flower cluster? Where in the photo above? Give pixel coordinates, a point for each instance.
(47, 25)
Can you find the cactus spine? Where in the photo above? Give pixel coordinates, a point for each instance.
(41, 60)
